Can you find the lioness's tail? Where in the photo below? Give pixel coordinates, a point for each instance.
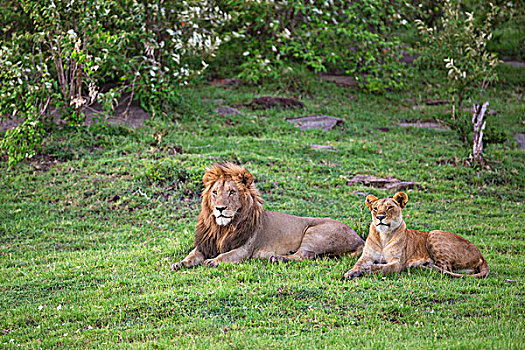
(483, 271)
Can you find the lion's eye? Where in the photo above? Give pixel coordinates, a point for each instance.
(232, 192)
(374, 209)
(214, 192)
(390, 208)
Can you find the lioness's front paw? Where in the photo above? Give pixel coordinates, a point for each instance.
(352, 274)
(176, 266)
(211, 263)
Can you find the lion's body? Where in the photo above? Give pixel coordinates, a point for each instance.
(391, 247)
(233, 226)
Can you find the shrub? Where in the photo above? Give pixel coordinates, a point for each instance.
(457, 48)
(56, 55)
(357, 37)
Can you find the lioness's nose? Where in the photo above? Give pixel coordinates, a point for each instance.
(380, 217)
(220, 209)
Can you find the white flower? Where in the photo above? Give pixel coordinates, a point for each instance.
(59, 307)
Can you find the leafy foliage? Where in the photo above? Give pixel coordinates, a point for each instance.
(58, 57)
(457, 46)
(357, 37)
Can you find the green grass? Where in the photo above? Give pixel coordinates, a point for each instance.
(85, 246)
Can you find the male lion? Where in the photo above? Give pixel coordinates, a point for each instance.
(391, 247)
(233, 226)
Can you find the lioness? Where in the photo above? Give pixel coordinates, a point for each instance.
(233, 226)
(391, 247)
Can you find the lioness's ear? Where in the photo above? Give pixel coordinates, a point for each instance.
(246, 177)
(401, 198)
(371, 199)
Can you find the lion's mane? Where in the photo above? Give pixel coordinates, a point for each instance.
(212, 239)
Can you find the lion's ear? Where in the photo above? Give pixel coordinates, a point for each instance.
(371, 199)
(210, 176)
(246, 177)
(401, 198)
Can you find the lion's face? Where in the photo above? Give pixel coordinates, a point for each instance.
(229, 193)
(225, 201)
(387, 212)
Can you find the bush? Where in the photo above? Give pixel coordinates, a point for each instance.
(56, 55)
(267, 37)
(456, 46)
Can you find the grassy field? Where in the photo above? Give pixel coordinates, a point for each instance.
(89, 228)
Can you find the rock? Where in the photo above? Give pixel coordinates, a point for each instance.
(267, 102)
(427, 125)
(324, 122)
(431, 102)
(340, 80)
(514, 63)
(225, 82)
(384, 183)
(322, 147)
(225, 110)
(215, 101)
(520, 139)
(359, 193)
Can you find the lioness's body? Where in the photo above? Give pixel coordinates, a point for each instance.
(233, 226)
(391, 247)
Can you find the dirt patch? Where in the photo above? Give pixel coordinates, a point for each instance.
(383, 183)
(267, 102)
(324, 122)
(10, 123)
(133, 117)
(425, 125)
(520, 139)
(454, 162)
(43, 162)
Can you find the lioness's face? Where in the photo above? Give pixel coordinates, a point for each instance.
(387, 212)
(225, 201)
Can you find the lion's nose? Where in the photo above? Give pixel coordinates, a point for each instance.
(380, 217)
(220, 209)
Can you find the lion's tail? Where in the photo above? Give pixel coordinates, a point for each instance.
(358, 251)
(483, 271)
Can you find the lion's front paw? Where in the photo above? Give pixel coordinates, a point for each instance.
(176, 266)
(276, 259)
(211, 263)
(352, 274)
